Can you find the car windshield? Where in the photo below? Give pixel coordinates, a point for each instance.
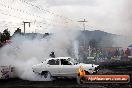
(74, 61)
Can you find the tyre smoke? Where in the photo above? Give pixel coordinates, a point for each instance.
(24, 51)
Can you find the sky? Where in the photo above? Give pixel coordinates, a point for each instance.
(113, 16)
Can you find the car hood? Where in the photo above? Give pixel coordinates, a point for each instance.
(87, 66)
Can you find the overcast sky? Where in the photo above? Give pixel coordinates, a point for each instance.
(112, 16)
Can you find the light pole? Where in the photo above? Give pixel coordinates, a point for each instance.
(25, 25)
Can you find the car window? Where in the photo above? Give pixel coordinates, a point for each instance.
(65, 62)
(53, 62)
(74, 61)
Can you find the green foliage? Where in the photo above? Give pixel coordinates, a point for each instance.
(18, 31)
(4, 36)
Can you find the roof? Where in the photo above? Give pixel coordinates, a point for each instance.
(60, 58)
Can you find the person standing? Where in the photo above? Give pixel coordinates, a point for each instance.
(127, 52)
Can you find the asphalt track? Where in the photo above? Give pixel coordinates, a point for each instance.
(65, 82)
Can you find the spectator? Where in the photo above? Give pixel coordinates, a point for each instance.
(127, 52)
(117, 53)
(122, 52)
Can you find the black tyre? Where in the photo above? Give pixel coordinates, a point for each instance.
(46, 74)
(96, 71)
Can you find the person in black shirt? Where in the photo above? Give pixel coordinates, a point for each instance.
(52, 54)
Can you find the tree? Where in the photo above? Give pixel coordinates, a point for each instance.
(93, 43)
(17, 31)
(6, 35)
(0, 36)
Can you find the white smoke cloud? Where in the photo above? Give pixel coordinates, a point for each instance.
(24, 52)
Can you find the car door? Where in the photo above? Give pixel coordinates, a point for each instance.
(67, 68)
(53, 67)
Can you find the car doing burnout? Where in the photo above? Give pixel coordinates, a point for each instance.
(63, 67)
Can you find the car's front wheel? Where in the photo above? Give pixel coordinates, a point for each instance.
(81, 80)
(96, 70)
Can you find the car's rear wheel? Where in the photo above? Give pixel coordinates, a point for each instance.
(46, 74)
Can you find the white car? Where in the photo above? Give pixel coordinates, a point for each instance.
(63, 67)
